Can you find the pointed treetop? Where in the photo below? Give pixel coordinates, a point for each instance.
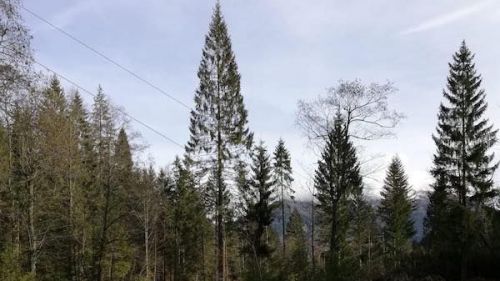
(54, 96)
(396, 161)
(217, 17)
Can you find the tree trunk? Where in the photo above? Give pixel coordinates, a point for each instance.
(33, 238)
(313, 259)
(283, 221)
(220, 211)
(146, 239)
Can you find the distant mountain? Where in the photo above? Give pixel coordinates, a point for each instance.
(304, 209)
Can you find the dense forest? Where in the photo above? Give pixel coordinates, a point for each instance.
(75, 205)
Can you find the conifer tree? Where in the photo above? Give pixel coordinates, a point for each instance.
(436, 222)
(81, 181)
(188, 220)
(282, 170)
(104, 134)
(115, 235)
(463, 164)
(297, 256)
(337, 178)
(54, 152)
(219, 121)
(260, 202)
(395, 212)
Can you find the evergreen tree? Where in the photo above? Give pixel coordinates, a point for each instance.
(297, 264)
(115, 236)
(395, 212)
(462, 165)
(337, 178)
(81, 182)
(283, 176)
(362, 238)
(185, 225)
(103, 195)
(219, 120)
(54, 152)
(260, 202)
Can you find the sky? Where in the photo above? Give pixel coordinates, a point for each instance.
(286, 50)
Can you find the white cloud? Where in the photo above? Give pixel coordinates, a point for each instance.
(447, 18)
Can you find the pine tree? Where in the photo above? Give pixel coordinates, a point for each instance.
(337, 178)
(219, 120)
(395, 212)
(282, 170)
(462, 166)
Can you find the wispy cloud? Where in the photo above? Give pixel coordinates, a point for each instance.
(447, 18)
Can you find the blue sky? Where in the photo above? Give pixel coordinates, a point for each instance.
(286, 50)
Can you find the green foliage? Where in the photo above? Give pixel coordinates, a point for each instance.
(10, 266)
(364, 239)
(261, 202)
(218, 126)
(187, 222)
(75, 205)
(282, 172)
(297, 258)
(462, 168)
(395, 212)
(337, 178)
(219, 115)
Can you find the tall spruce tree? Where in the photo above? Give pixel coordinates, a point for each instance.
(219, 121)
(282, 170)
(463, 164)
(337, 178)
(395, 212)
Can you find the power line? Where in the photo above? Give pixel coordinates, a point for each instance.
(110, 60)
(119, 109)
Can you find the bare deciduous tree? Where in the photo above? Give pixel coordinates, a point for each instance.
(15, 50)
(364, 108)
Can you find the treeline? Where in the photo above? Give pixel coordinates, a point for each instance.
(76, 204)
